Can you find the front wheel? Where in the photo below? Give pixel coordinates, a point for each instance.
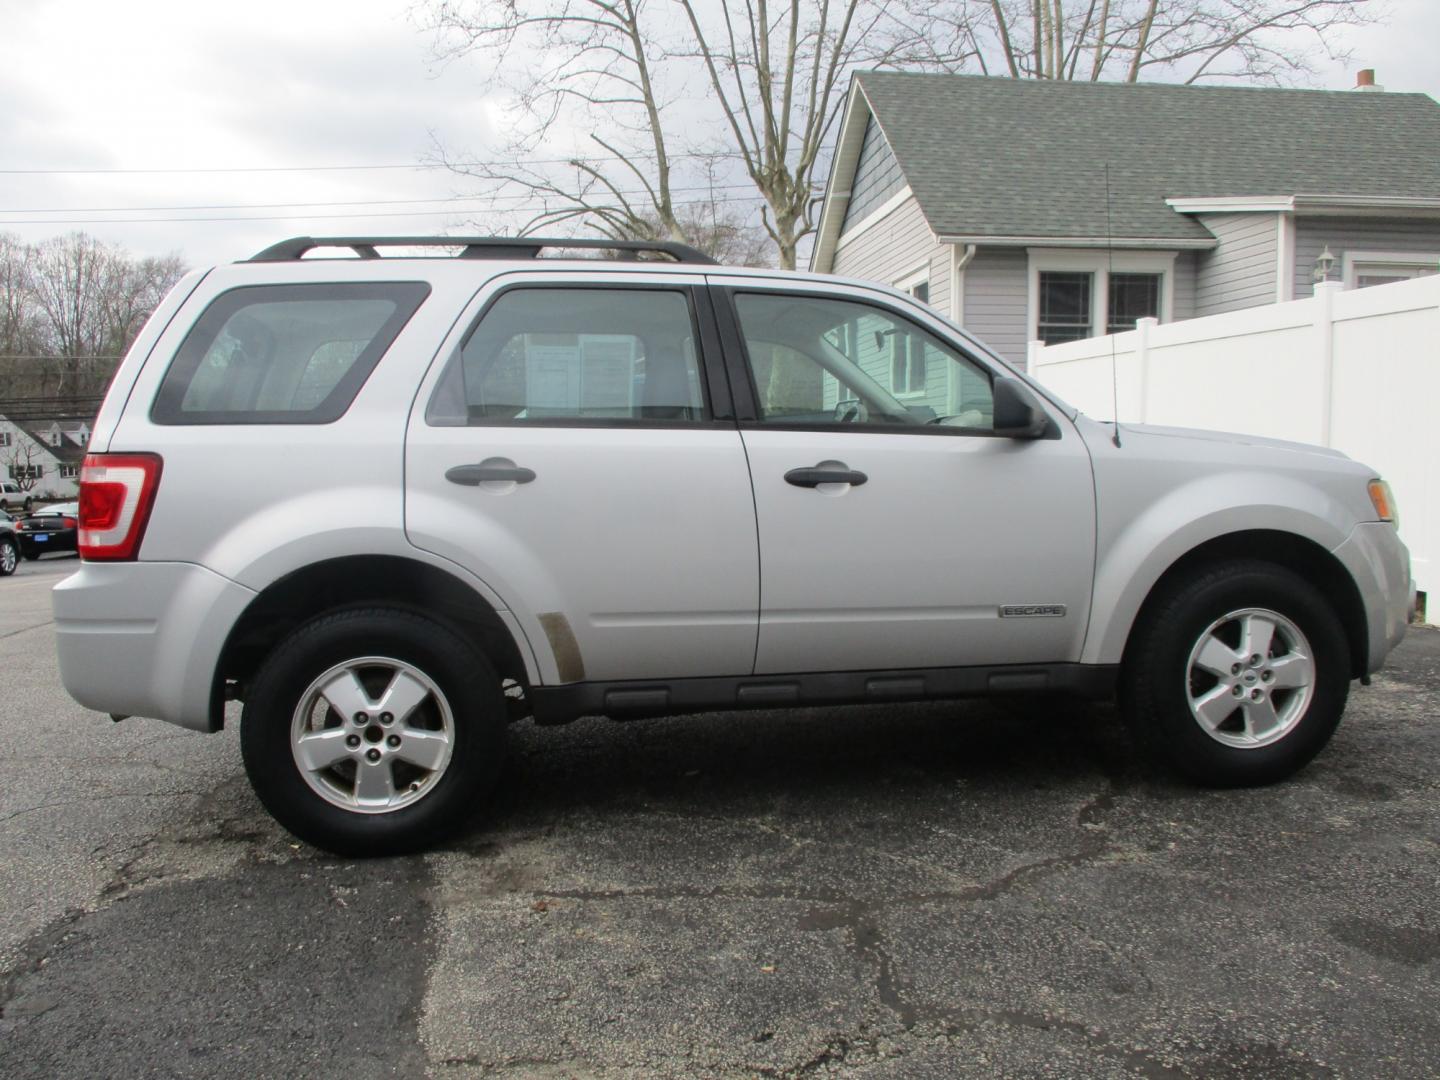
(1237, 674)
(373, 732)
(9, 556)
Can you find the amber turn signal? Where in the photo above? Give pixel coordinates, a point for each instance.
(1384, 501)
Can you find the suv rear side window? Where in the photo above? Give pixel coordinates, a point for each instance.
(284, 354)
(565, 356)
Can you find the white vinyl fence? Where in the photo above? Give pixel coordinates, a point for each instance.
(1357, 370)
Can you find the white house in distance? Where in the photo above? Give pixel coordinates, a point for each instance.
(49, 453)
(988, 198)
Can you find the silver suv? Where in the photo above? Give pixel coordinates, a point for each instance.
(393, 503)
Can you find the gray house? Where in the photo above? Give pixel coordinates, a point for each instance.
(987, 197)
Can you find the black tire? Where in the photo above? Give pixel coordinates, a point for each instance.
(31, 556)
(9, 556)
(1157, 681)
(462, 675)
(29, 505)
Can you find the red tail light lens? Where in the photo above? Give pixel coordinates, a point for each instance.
(67, 523)
(116, 494)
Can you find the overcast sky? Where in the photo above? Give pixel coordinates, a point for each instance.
(134, 85)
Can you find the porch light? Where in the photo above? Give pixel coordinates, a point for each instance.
(1323, 265)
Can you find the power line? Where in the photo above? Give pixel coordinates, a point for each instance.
(421, 166)
(333, 202)
(301, 217)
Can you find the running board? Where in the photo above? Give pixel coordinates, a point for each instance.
(661, 697)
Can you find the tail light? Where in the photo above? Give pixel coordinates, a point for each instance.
(67, 523)
(117, 492)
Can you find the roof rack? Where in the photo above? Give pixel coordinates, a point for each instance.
(476, 247)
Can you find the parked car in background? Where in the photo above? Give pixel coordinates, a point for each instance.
(52, 529)
(9, 546)
(13, 497)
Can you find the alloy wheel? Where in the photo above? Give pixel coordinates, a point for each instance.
(1250, 678)
(372, 735)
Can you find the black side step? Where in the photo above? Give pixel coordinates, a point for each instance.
(626, 700)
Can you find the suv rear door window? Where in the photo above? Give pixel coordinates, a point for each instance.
(565, 356)
(284, 354)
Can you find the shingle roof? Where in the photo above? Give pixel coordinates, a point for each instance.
(66, 453)
(1025, 157)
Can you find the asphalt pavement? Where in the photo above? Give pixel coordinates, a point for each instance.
(981, 889)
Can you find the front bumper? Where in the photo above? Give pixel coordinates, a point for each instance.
(1379, 563)
(144, 638)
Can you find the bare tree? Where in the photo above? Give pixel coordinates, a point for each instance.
(69, 307)
(20, 464)
(19, 322)
(1254, 41)
(585, 62)
(655, 86)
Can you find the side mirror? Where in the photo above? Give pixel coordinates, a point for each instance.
(1018, 414)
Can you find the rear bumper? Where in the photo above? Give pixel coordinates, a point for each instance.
(1380, 565)
(58, 541)
(143, 639)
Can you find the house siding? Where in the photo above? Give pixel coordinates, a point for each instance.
(996, 309)
(1186, 280)
(1240, 271)
(877, 176)
(894, 248)
(1312, 235)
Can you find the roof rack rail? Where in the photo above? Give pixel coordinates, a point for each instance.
(476, 247)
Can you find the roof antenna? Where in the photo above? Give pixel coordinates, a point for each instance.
(1110, 278)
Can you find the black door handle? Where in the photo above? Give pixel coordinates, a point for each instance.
(827, 472)
(487, 471)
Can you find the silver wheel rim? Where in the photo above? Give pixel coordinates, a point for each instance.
(1250, 678)
(8, 558)
(372, 735)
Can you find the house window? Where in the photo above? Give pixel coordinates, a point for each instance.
(1065, 313)
(1362, 269)
(4, 438)
(1132, 297)
(1079, 293)
(26, 472)
(69, 472)
(55, 438)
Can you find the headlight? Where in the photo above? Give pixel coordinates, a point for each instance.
(1384, 500)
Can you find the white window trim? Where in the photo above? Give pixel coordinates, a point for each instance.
(921, 273)
(1351, 259)
(1100, 263)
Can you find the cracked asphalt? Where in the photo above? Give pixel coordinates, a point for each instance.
(983, 889)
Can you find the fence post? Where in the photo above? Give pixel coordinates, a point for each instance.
(1325, 331)
(1142, 358)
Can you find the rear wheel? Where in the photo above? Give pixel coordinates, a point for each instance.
(1237, 674)
(9, 556)
(373, 732)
